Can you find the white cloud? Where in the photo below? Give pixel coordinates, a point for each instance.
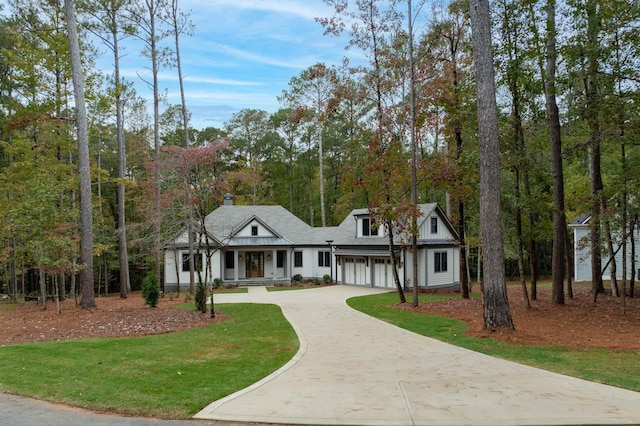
(297, 8)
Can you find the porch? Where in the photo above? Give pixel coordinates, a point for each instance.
(256, 266)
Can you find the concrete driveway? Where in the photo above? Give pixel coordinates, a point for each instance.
(355, 370)
(352, 369)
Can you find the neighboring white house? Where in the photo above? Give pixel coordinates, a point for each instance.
(582, 252)
(269, 244)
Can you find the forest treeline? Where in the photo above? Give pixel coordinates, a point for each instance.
(567, 78)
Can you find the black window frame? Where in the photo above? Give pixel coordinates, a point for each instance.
(367, 229)
(197, 262)
(440, 261)
(280, 258)
(324, 259)
(297, 259)
(254, 230)
(434, 225)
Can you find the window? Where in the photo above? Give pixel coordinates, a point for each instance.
(324, 258)
(297, 259)
(230, 260)
(197, 261)
(434, 225)
(440, 261)
(367, 230)
(254, 230)
(280, 258)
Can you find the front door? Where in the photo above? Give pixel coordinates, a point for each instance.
(255, 264)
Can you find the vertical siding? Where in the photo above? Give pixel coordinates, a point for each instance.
(443, 231)
(170, 280)
(582, 258)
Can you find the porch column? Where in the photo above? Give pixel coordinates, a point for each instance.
(274, 264)
(236, 265)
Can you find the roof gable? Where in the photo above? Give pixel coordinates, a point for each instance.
(229, 221)
(246, 229)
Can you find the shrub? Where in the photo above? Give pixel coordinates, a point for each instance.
(217, 282)
(297, 278)
(326, 278)
(150, 290)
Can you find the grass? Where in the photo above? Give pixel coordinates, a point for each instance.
(619, 368)
(230, 290)
(168, 376)
(289, 288)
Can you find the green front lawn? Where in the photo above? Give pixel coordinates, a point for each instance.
(169, 375)
(619, 368)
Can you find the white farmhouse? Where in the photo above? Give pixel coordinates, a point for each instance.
(265, 245)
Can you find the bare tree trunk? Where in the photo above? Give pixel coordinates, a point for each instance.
(13, 276)
(414, 165)
(497, 313)
(191, 242)
(123, 254)
(613, 268)
(177, 30)
(632, 279)
(523, 281)
(553, 122)
(394, 264)
(592, 50)
(86, 209)
(176, 264)
(323, 214)
(156, 139)
(520, 153)
(43, 289)
(568, 249)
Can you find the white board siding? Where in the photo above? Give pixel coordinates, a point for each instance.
(262, 231)
(442, 231)
(170, 277)
(309, 259)
(582, 257)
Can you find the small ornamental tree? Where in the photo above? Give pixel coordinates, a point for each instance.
(151, 290)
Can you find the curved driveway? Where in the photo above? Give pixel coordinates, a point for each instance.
(352, 369)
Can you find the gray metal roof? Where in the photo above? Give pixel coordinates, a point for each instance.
(361, 252)
(258, 241)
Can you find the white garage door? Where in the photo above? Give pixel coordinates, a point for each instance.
(382, 272)
(355, 270)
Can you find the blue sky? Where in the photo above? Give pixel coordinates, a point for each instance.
(243, 55)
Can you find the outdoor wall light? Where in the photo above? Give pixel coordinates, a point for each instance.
(268, 257)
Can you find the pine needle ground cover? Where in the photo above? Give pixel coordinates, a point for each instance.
(170, 375)
(615, 367)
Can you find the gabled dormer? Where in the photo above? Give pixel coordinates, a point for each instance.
(434, 224)
(255, 228)
(366, 227)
